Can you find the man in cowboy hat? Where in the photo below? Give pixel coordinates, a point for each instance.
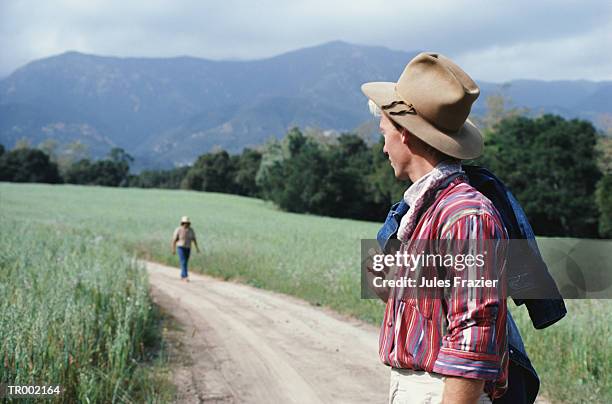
(182, 238)
(452, 346)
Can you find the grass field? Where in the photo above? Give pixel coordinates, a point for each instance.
(74, 312)
(312, 257)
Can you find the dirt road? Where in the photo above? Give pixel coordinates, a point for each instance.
(248, 345)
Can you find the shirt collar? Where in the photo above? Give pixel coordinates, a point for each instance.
(420, 186)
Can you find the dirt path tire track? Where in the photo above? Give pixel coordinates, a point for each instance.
(249, 345)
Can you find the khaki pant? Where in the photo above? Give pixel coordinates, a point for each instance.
(419, 387)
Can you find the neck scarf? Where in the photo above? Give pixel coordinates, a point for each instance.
(419, 195)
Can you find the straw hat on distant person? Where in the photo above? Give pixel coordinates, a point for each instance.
(185, 219)
(432, 100)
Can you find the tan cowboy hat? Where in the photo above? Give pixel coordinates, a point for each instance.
(432, 99)
(185, 219)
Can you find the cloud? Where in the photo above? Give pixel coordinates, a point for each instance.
(497, 40)
(579, 57)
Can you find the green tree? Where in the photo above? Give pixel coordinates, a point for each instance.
(111, 172)
(549, 163)
(603, 196)
(72, 153)
(291, 174)
(350, 164)
(604, 121)
(343, 178)
(302, 188)
(118, 155)
(80, 172)
(247, 166)
(498, 107)
(101, 172)
(604, 147)
(23, 143)
(121, 160)
(269, 175)
(213, 172)
(28, 165)
(49, 147)
(168, 179)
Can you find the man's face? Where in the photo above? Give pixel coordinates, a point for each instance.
(395, 147)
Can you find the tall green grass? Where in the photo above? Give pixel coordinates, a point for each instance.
(573, 357)
(74, 312)
(311, 257)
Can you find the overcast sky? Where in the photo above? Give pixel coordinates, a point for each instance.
(493, 41)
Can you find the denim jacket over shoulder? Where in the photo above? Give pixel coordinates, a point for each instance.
(523, 379)
(535, 279)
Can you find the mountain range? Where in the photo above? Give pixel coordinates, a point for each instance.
(167, 111)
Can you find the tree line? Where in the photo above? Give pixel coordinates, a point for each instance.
(26, 164)
(555, 167)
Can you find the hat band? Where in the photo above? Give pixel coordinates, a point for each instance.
(407, 108)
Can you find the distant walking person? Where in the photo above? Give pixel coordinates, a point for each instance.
(181, 241)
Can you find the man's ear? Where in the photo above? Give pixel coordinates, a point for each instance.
(405, 136)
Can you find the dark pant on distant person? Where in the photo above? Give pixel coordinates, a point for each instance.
(183, 253)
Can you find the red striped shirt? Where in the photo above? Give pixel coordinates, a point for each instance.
(454, 331)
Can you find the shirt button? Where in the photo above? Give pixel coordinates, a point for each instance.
(389, 323)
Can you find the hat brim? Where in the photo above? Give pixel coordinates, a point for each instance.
(467, 143)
